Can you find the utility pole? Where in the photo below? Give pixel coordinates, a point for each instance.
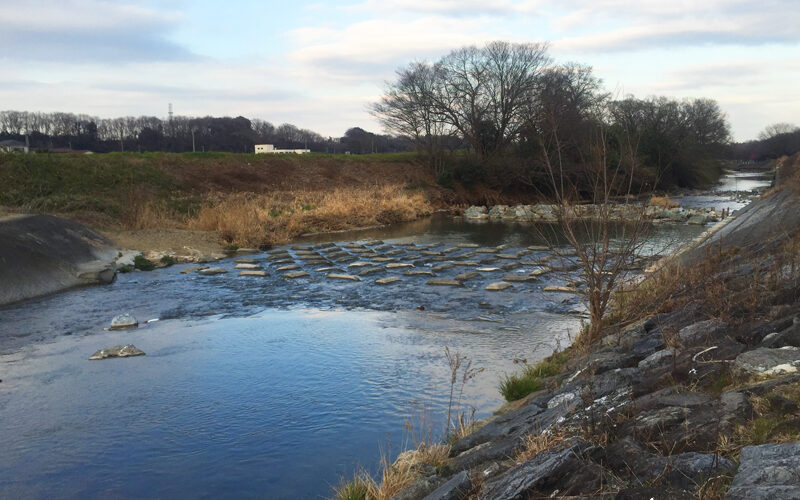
(193, 149)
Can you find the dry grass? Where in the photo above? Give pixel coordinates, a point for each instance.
(537, 443)
(247, 219)
(663, 202)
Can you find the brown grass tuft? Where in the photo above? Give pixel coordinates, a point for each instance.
(663, 202)
(537, 443)
(248, 219)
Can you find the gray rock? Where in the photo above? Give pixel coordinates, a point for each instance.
(192, 269)
(247, 266)
(371, 270)
(290, 267)
(211, 271)
(457, 488)
(702, 333)
(399, 265)
(419, 488)
(514, 278)
(245, 260)
(296, 274)
(119, 351)
(442, 267)
(658, 360)
(769, 472)
(335, 276)
(466, 276)
(498, 286)
(766, 361)
(262, 274)
(123, 321)
(387, 281)
(419, 272)
(475, 212)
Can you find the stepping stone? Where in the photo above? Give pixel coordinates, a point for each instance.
(383, 248)
(124, 321)
(352, 245)
(323, 246)
(283, 261)
(419, 272)
(302, 247)
(349, 258)
(465, 263)
(290, 267)
(278, 256)
(334, 276)
(468, 245)
(276, 251)
(443, 267)
(430, 253)
(254, 273)
(318, 262)
(488, 269)
(509, 256)
(335, 255)
(247, 266)
(296, 274)
(398, 265)
(360, 250)
(496, 287)
(386, 281)
(443, 282)
(563, 289)
(332, 248)
(539, 248)
(515, 278)
(371, 270)
(450, 250)
(119, 351)
(490, 260)
(210, 271)
(246, 261)
(382, 259)
(467, 255)
(440, 258)
(466, 276)
(373, 242)
(486, 250)
(540, 271)
(192, 269)
(327, 269)
(396, 251)
(359, 264)
(369, 255)
(510, 266)
(306, 252)
(502, 247)
(528, 263)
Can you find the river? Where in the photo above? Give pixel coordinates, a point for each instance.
(264, 387)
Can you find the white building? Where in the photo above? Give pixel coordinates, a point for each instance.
(269, 148)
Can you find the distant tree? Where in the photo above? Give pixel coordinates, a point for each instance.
(775, 129)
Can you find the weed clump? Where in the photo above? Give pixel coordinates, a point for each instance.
(143, 264)
(514, 387)
(168, 261)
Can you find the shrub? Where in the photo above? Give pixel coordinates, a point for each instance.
(355, 489)
(168, 260)
(514, 387)
(142, 264)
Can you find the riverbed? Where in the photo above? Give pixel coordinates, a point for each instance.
(269, 387)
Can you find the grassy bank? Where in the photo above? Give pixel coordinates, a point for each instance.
(250, 200)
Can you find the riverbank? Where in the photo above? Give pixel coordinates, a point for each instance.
(692, 392)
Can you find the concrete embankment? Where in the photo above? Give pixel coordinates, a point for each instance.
(41, 254)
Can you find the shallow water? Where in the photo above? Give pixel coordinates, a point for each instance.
(261, 387)
(741, 183)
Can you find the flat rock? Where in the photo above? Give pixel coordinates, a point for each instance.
(468, 245)
(465, 263)
(295, 274)
(496, 287)
(396, 251)
(303, 247)
(430, 253)
(254, 273)
(510, 266)
(449, 250)
(488, 269)
(398, 265)
(192, 269)
(766, 361)
(283, 261)
(247, 266)
(457, 488)
(371, 270)
(387, 281)
(123, 321)
(442, 267)
(335, 276)
(327, 269)
(515, 278)
(359, 264)
(508, 256)
(767, 472)
(443, 282)
(244, 260)
(119, 351)
(486, 250)
(383, 259)
(210, 271)
(419, 272)
(562, 289)
(290, 267)
(466, 276)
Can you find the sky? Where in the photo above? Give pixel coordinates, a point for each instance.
(319, 65)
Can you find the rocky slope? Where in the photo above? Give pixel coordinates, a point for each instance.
(699, 398)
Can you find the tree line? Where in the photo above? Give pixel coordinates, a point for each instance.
(46, 131)
(776, 140)
(518, 111)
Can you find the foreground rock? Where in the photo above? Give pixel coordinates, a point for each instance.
(767, 472)
(124, 321)
(120, 351)
(211, 271)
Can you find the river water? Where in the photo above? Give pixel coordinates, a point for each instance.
(265, 387)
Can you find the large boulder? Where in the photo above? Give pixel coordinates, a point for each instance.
(768, 362)
(767, 472)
